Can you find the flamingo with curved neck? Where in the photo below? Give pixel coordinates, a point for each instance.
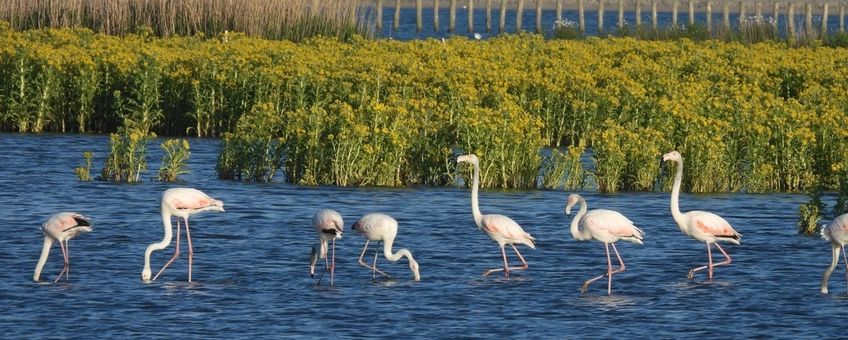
(180, 203)
(837, 233)
(603, 225)
(701, 225)
(500, 228)
(329, 225)
(61, 227)
(382, 227)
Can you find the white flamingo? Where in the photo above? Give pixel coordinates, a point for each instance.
(700, 225)
(182, 203)
(382, 227)
(837, 233)
(61, 227)
(500, 228)
(329, 225)
(603, 225)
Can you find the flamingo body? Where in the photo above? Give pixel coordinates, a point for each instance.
(836, 232)
(61, 227)
(181, 203)
(383, 228)
(329, 225)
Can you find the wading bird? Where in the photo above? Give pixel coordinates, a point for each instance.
(329, 225)
(179, 203)
(700, 225)
(382, 227)
(837, 233)
(500, 228)
(607, 226)
(61, 227)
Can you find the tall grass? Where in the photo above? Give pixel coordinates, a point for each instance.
(274, 19)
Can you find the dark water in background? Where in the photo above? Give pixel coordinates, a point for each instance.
(407, 27)
(251, 262)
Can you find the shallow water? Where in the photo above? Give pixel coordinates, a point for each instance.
(251, 273)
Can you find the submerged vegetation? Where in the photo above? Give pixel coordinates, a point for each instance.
(758, 117)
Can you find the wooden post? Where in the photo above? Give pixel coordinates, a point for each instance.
(620, 13)
(502, 19)
(396, 20)
(691, 12)
(759, 9)
(581, 20)
(725, 11)
(489, 16)
(519, 15)
(379, 15)
(435, 15)
(674, 13)
(808, 19)
(559, 10)
(790, 21)
(539, 16)
(638, 13)
(824, 19)
(709, 16)
(841, 18)
(470, 16)
(452, 16)
(419, 23)
(741, 13)
(654, 14)
(600, 16)
(775, 14)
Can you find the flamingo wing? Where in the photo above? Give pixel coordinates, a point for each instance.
(837, 229)
(713, 224)
(507, 228)
(611, 222)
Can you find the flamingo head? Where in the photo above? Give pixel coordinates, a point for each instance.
(469, 158)
(672, 156)
(313, 259)
(413, 265)
(573, 199)
(145, 274)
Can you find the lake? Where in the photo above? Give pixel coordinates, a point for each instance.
(251, 262)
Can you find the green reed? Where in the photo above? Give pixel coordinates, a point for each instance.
(83, 172)
(176, 155)
(810, 213)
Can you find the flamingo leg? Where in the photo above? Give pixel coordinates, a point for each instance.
(65, 267)
(333, 266)
(365, 264)
(727, 260)
(709, 264)
(505, 268)
(586, 284)
(176, 252)
(834, 262)
(846, 263)
(190, 249)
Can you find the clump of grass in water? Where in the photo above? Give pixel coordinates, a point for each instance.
(84, 171)
(809, 214)
(564, 170)
(253, 152)
(175, 159)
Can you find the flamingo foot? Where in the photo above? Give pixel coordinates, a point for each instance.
(585, 287)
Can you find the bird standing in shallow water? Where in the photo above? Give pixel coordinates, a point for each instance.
(500, 228)
(607, 226)
(382, 227)
(329, 225)
(837, 233)
(61, 227)
(181, 203)
(700, 225)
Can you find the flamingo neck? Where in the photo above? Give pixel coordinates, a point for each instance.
(575, 223)
(403, 252)
(475, 205)
(45, 250)
(675, 197)
(166, 222)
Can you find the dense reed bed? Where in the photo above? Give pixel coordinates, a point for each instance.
(760, 117)
(273, 19)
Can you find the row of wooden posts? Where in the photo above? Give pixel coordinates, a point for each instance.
(758, 8)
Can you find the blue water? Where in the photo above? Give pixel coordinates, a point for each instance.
(407, 23)
(252, 278)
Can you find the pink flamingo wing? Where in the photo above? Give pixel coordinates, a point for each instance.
(612, 222)
(713, 224)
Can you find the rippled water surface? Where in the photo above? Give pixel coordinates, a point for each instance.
(252, 277)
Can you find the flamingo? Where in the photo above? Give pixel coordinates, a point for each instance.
(382, 227)
(61, 227)
(181, 203)
(329, 225)
(837, 233)
(500, 228)
(607, 226)
(700, 225)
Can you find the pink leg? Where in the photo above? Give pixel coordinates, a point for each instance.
(65, 265)
(505, 268)
(190, 249)
(333, 266)
(727, 259)
(365, 264)
(176, 252)
(708, 266)
(585, 287)
(846, 263)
